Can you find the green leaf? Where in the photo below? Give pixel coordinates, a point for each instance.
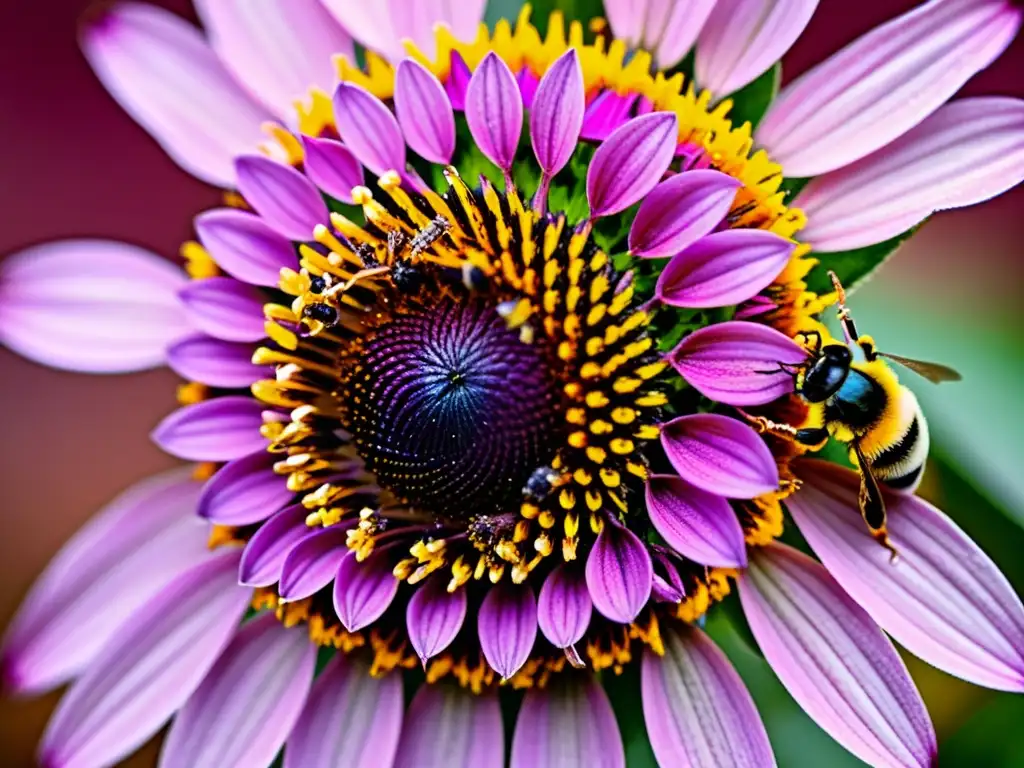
(750, 102)
(580, 10)
(856, 266)
(624, 692)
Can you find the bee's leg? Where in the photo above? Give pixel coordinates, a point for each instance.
(813, 341)
(813, 437)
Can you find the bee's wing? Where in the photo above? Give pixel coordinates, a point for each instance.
(934, 372)
(872, 506)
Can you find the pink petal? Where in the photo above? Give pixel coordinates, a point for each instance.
(697, 710)
(605, 114)
(743, 38)
(216, 363)
(696, 524)
(332, 167)
(494, 110)
(619, 573)
(737, 363)
(564, 607)
(246, 706)
(277, 49)
(245, 246)
(225, 308)
(265, 553)
(724, 268)
(424, 112)
(221, 429)
(244, 491)
(630, 162)
(167, 77)
(671, 28)
(346, 700)
(369, 23)
(149, 669)
(883, 84)
(721, 455)
(834, 661)
(626, 18)
(507, 625)
(556, 116)
(312, 563)
(566, 724)
(943, 599)
(965, 152)
(471, 724)
(434, 617)
(680, 211)
(126, 554)
(363, 590)
(369, 129)
(283, 197)
(91, 305)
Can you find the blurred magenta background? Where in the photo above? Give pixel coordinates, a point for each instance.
(74, 165)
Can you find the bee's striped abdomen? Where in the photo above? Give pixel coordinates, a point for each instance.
(901, 464)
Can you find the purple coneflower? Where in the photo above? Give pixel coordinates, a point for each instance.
(471, 352)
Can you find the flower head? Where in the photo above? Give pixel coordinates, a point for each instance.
(491, 358)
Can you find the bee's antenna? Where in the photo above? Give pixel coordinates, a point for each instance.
(849, 329)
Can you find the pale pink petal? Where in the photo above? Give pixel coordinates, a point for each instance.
(221, 429)
(619, 573)
(568, 723)
(149, 669)
(671, 28)
(883, 84)
(494, 110)
(626, 18)
(363, 590)
(283, 197)
(943, 599)
(369, 129)
(277, 49)
(351, 719)
(424, 112)
(697, 710)
(244, 491)
(225, 308)
(556, 113)
(434, 617)
(332, 167)
(507, 625)
(721, 455)
(743, 38)
(698, 525)
(126, 554)
(471, 726)
(417, 20)
(166, 76)
(265, 553)
(91, 305)
(216, 363)
(965, 152)
(244, 246)
(680, 211)
(834, 660)
(564, 607)
(369, 23)
(312, 563)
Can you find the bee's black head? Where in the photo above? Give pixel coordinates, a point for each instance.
(826, 373)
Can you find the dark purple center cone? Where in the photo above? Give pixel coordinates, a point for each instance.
(452, 411)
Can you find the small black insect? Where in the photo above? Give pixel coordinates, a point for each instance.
(540, 484)
(407, 277)
(324, 313)
(367, 255)
(317, 284)
(429, 234)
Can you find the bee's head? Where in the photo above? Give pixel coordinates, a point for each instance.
(825, 373)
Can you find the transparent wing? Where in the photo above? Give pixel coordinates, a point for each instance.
(934, 372)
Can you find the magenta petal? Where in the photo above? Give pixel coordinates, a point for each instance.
(283, 197)
(738, 363)
(225, 308)
(556, 117)
(332, 167)
(566, 724)
(244, 246)
(494, 110)
(471, 725)
(149, 669)
(126, 554)
(564, 607)
(215, 362)
(721, 455)
(369, 129)
(695, 523)
(347, 700)
(221, 429)
(724, 268)
(312, 563)
(119, 307)
(834, 660)
(630, 162)
(434, 617)
(697, 710)
(680, 211)
(363, 590)
(244, 491)
(619, 573)
(943, 599)
(246, 706)
(605, 113)
(458, 81)
(265, 553)
(507, 625)
(424, 112)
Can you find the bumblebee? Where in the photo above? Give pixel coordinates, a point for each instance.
(855, 397)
